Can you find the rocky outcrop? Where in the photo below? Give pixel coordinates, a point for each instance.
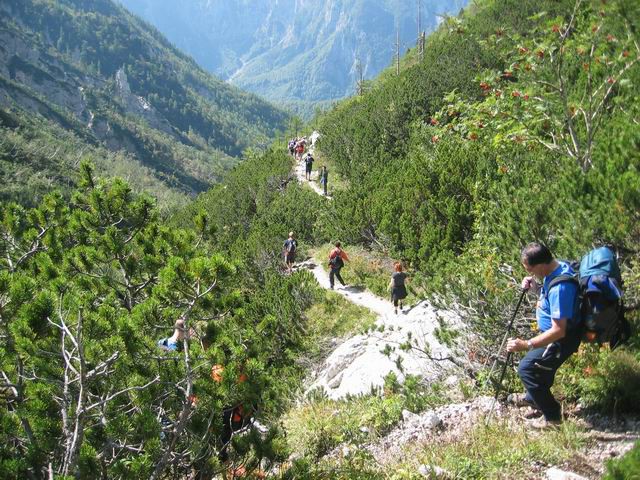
(139, 106)
(404, 344)
(40, 75)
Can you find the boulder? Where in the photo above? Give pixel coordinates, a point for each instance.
(555, 473)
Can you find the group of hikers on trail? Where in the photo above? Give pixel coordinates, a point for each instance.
(566, 314)
(567, 311)
(297, 149)
(337, 257)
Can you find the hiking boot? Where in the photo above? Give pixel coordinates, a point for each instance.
(519, 400)
(544, 424)
(531, 413)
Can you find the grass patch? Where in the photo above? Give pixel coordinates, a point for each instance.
(371, 270)
(334, 316)
(320, 425)
(497, 450)
(625, 468)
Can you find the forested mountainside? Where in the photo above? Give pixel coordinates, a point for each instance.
(302, 53)
(516, 125)
(86, 78)
(520, 124)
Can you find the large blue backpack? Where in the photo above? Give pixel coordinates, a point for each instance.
(600, 297)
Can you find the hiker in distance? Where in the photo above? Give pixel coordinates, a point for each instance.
(308, 163)
(289, 251)
(397, 286)
(559, 323)
(299, 150)
(324, 178)
(337, 257)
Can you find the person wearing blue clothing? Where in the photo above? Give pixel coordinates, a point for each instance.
(174, 342)
(558, 318)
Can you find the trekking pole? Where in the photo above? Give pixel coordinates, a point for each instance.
(509, 356)
(506, 335)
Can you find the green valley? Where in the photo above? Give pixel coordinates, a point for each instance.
(147, 335)
(123, 96)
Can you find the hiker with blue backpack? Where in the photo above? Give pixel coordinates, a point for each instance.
(572, 302)
(174, 342)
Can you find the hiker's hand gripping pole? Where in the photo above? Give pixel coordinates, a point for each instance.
(509, 355)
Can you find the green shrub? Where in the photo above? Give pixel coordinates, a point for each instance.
(625, 468)
(612, 383)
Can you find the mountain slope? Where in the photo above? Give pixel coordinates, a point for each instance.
(298, 52)
(93, 69)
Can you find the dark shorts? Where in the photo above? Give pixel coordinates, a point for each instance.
(290, 257)
(399, 293)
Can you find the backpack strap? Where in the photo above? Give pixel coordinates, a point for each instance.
(572, 279)
(562, 278)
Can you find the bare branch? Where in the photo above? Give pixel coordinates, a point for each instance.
(121, 392)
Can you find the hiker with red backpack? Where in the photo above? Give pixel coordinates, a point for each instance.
(576, 302)
(337, 257)
(234, 418)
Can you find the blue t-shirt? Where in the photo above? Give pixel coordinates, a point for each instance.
(168, 344)
(558, 303)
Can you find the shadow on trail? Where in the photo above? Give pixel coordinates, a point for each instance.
(352, 288)
(406, 310)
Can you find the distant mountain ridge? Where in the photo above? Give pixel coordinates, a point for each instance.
(117, 85)
(300, 52)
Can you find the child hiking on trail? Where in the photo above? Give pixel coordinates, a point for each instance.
(308, 163)
(289, 248)
(324, 178)
(397, 286)
(337, 257)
